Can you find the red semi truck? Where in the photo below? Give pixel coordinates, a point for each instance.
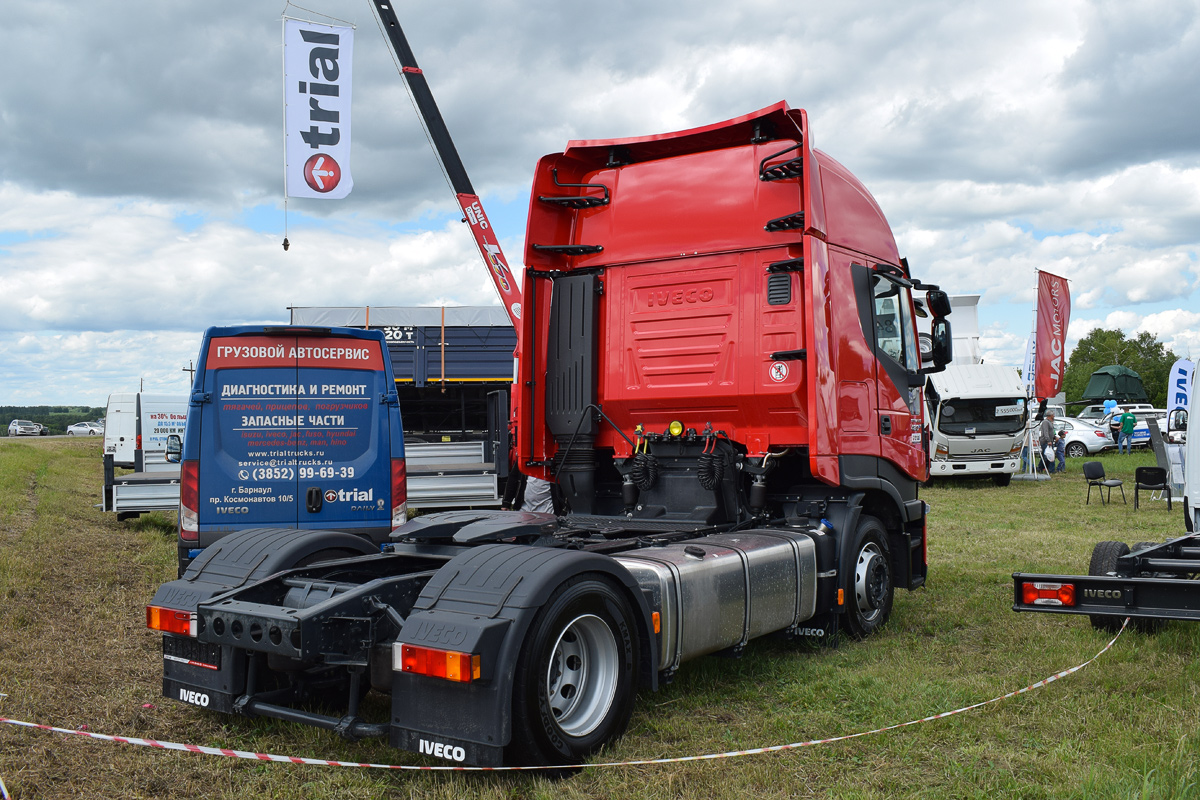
(718, 366)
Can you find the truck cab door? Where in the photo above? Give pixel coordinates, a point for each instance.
(899, 393)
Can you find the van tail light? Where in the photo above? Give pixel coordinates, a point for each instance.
(452, 666)
(1048, 594)
(170, 620)
(139, 441)
(189, 502)
(399, 493)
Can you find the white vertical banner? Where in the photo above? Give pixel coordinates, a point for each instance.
(317, 75)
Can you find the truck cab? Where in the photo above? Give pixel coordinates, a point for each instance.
(978, 416)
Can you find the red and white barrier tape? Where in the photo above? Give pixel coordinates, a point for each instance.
(321, 762)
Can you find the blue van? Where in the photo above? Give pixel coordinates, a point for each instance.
(291, 427)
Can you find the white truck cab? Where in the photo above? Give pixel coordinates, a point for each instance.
(978, 414)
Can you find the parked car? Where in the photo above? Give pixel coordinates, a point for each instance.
(23, 427)
(1141, 431)
(1084, 438)
(1095, 413)
(85, 429)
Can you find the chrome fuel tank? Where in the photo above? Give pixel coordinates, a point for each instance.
(721, 591)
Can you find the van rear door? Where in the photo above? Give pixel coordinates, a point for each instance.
(295, 437)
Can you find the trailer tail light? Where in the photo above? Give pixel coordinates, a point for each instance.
(399, 493)
(189, 501)
(452, 666)
(1048, 594)
(170, 620)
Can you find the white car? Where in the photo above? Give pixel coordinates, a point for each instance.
(23, 427)
(1083, 438)
(85, 429)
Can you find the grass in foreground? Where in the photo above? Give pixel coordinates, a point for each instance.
(74, 652)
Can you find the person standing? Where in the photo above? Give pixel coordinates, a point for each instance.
(1060, 452)
(1125, 443)
(1114, 425)
(1046, 437)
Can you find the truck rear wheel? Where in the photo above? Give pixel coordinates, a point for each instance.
(1104, 561)
(870, 601)
(576, 677)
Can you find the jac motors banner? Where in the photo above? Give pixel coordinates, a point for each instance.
(316, 94)
(1053, 315)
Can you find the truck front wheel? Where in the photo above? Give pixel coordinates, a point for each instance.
(576, 677)
(870, 601)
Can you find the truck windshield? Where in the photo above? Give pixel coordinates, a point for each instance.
(992, 416)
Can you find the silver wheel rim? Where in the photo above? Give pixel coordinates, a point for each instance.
(581, 678)
(863, 580)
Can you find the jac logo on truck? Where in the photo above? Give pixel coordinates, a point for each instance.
(678, 297)
(195, 698)
(1103, 594)
(440, 750)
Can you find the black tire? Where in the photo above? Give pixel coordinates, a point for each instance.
(1077, 450)
(1104, 561)
(872, 581)
(1002, 480)
(577, 674)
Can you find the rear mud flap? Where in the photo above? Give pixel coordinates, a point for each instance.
(203, 675)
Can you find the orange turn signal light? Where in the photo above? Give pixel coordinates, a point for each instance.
(447, 664)
(1048, 594)
(170, 620)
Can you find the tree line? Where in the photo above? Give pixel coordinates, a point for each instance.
(1143, 354)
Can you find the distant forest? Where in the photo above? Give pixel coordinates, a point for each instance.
(56, 418)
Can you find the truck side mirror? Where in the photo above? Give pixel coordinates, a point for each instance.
(939, 303)
(941, 345)
(174, 449)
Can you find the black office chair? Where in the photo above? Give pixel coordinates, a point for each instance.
(1152, 479)
(1094, 472)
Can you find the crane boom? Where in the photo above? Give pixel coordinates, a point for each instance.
(443, 145)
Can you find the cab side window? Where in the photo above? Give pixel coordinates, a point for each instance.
(893, 323)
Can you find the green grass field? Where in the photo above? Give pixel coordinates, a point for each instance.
(74, 652)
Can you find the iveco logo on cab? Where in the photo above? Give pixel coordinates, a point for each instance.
(195, 698)
(441, 750)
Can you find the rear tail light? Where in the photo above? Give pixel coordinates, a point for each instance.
(1101, 434)
(139, 441)
(170, 620)
(447, 664)
(1048, 594)
(399, 493)
(189, 501)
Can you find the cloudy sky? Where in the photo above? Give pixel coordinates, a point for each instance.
(141, 187)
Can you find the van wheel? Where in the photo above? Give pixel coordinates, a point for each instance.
(1104, 561)
(870, 595)
(576, 676)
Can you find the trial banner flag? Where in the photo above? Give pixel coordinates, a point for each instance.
(317, 75)
(1179, 385)
(1053, 316)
